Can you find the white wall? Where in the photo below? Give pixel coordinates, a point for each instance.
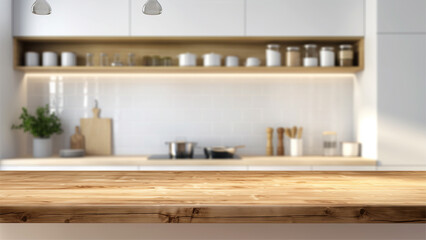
(148, 110)
(365, 90)
(10, 85)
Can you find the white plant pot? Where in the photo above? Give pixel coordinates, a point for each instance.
(42, 147)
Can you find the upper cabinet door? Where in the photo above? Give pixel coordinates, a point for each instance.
(396, 16)
(305, 17)
(73, 18)
(190, 18)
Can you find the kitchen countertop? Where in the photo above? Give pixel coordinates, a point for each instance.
(143, 161)
(212, 197)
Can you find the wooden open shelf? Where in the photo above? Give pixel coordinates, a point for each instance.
(198, 70)
(242, 47)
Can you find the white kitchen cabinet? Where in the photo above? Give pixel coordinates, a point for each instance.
(344, 168)
(190, 18)
(73, 18)
(401, 16)
(67, 168)
(305, 18)
(401, 99)
(192, 168)
(279, 168)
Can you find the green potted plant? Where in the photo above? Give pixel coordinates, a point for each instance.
(41, 126)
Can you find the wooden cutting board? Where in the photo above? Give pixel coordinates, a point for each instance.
(97, 133)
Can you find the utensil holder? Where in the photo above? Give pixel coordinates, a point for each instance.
(296, 147)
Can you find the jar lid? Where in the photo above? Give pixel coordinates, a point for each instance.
(327, 48)
(345, 46)
(273, 45)
(293, 48)
(310, 46)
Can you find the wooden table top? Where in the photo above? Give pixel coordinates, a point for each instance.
(213, 197)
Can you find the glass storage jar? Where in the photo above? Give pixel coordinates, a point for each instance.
(311, 56)
(293, 57)
(327, 57)
(273, 55)
(346, 55)
(330, 146)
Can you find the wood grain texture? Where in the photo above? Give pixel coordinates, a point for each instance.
(213, 197)
(77, 140)
(97, 133)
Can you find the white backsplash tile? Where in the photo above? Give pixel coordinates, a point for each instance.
(148, 110)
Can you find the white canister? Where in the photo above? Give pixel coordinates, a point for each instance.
(212, 60)
(351, 149)
(252, 62)
(327, 57)
(68, 59)
(310, 62)
(273, 55)
(32, 59)
(296, 147)
(187, 60)
(50, 59)
(232, 61)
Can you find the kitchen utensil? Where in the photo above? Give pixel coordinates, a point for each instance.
(32, 59)
(300, 133)
(77, 140)
(273, 55)
(280, 146)
(68, 59)
(221, 152)
(329, 143)
(187, 60)
(181, 149)
(269, 145)
(296, 147)
(351, 149)
(232, 61)
(212, 60)
(288, 132)
(252, 62)
(71, 153)
(294, 132)
(50, 59)
(97, 133)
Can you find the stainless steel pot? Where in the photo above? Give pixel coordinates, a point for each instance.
(181, 149)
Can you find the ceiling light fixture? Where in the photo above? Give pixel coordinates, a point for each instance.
(152, 7)
(41, 7)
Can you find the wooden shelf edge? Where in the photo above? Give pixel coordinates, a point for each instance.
(203, 70)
